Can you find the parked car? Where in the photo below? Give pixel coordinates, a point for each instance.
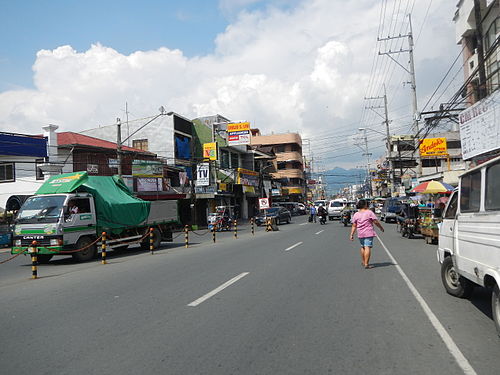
(293, 207)
(391, 209)
(469, 236)
(302, 208)
(281, 214)
(335, 208)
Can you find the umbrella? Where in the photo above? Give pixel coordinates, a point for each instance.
(432, 187)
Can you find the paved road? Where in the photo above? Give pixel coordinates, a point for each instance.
(295, 301)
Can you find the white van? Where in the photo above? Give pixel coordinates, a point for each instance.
(335, 208)
(469, 236)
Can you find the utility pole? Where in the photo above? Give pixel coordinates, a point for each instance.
(390, 177)
(481, 94)
(119, 145)
(367, 154)
(413, 84)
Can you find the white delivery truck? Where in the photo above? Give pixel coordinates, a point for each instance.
(469, 236)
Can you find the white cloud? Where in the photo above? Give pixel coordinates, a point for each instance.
(302, 69)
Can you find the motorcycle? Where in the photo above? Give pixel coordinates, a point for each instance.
(322, 217)
(346, 218)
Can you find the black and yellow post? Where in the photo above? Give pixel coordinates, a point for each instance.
(34, 260)
(151, 240)
(213, 233)
(252, 221)
(235, 228)
(103, 248)
(186, 236)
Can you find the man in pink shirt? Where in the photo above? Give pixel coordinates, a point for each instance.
(363, 222)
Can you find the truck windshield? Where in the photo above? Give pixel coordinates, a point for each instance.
(41, 209)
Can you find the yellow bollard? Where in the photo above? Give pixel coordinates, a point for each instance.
(253, 225)
(34, 260)
(186, 236)
(235, 228)
(151, 240)
(213, 234)
(103, 248)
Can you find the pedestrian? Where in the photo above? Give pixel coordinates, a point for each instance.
(312, 211)
(363, 222)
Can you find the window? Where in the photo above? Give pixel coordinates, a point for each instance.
(451, 211)
(431, 162)
(141, 144)
(492, 201)
(7, 172)
(280, 148)
(235, 161)
(38, 170)
(453, 144)
(470, 192)
(224, 159)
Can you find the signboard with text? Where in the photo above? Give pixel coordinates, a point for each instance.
(433, 147)
(238, 134)
(147, 168)
(210, 150)
(203, 174)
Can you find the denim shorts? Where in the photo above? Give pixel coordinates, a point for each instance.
(367, 241)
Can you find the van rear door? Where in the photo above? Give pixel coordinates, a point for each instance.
(447, 228)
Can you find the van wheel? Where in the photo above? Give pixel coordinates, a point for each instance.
(455, 284)
(156, 240)
(87, 254)
(495, 307)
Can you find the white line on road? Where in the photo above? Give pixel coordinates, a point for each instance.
(303, 223)
(218, 289)
(321, 231)
(450, 344)
(294, 246)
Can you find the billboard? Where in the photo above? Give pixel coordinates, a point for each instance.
(480, 127)
(147, 168)
(238, 134)
(203, 174)
(433, 147)
(210, 150)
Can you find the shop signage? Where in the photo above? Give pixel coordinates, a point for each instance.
(203, 174)
(276, 192)
(263, 203)
(247, 177)
(433, 147)
(210, 189)
(147, 168)
(238, 134)
(93, 168)
(210, 151)
(480, 127)
(149, 184)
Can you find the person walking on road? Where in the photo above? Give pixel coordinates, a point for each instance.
(312, 211)
(363, 222)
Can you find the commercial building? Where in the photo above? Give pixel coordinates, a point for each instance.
(290, 165)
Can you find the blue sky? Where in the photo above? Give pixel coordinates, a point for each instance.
(27, 26)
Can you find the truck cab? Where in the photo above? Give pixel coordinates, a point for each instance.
(54, 221)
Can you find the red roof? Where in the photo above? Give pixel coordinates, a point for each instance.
(70, 138)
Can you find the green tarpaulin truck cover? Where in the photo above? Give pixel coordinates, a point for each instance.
(116, 207)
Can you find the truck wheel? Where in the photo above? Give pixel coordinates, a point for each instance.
(44, 258)
(156, 240)
(495, 307)
(455, 284)
(87, 254)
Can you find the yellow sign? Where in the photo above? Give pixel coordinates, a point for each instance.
(433, 147)
(210, 150)
(238, 126)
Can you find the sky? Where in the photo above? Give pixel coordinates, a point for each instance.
(297, 65)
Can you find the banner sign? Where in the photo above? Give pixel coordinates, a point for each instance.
(210, 150)
(147, 168)
(433, 147)
(149, 184)
(480, 127)
(203, 174)
(247, 177)
(263, 203)
(238, 134)
(276, 192)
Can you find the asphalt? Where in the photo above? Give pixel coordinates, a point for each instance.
(301, 304)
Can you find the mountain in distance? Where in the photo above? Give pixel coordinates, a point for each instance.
(337, 178)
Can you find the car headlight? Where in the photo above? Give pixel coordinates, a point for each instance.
(55, 242)
(17, 243)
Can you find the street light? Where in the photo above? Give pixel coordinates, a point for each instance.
(119, 141)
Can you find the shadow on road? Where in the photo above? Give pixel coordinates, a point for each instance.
(481, 299)
(382, 264)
